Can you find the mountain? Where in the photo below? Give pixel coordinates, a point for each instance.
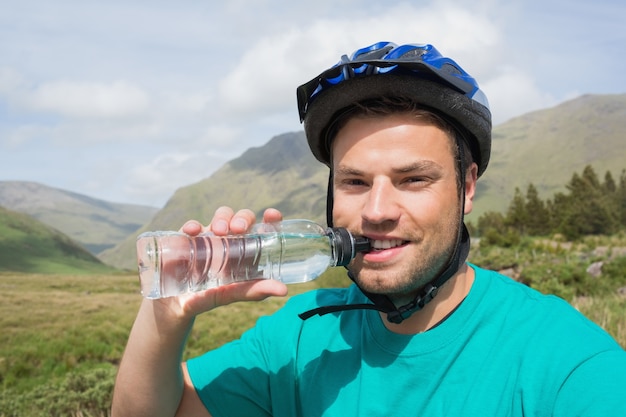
(95, 224)
(27, 245)
(544, 148)
(281, 174)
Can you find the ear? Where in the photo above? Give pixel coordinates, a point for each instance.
(471, 176)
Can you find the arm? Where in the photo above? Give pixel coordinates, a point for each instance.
(151, 380)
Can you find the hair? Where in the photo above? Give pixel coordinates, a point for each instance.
(385, 106)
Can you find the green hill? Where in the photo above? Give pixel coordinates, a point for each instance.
(95, 224)
(544, 148)
(27, 245)
(281, 174)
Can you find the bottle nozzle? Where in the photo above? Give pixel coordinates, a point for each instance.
(362, 244)
(346, 245)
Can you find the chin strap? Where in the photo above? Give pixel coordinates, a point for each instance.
(383, 303)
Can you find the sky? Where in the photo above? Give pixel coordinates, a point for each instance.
(129, 100)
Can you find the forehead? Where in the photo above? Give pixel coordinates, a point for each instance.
(385, 139)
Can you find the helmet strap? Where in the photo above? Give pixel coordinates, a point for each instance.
(329, 200)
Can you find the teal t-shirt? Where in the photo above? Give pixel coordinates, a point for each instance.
(506, 351)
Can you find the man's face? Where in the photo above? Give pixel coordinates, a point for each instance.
(395, 182)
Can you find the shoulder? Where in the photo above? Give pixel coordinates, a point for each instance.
(519, 295)
(545, 318)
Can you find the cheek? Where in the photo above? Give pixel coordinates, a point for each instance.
(345, 209)
(434, 208)
(435, 202)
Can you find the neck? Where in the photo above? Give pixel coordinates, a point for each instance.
(450, 295)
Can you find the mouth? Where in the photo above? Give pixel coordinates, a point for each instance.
(378, 245)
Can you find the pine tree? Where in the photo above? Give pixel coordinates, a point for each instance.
(609, 186)
(610, 197)
(587, 208)
(621, 199)
(491, 220)
(585, 211)
(538, 223)
(493, 231)
(517, 216)
(562, 214)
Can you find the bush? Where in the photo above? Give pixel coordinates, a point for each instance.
(565, 281)
(559, 268)
(506, 239)
(86, 394)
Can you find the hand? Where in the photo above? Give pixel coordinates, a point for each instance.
(225, 221)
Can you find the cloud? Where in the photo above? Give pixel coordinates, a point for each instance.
(512, 90)
(150, 181)
(256, 98)
(88, 100)
(266, 76)
(152, 104)
(10, 81)
(20, 135)
(79, 113)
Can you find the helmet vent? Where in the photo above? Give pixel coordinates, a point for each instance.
(373, 54)
(416, 53)
(450, 69)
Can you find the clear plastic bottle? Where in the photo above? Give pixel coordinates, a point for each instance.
(291, 251)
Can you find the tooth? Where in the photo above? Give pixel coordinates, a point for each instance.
(386, 244)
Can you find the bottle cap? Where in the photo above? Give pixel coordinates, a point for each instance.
(346, 245)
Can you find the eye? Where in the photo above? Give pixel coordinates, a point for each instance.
(353, 183)
(417, 181)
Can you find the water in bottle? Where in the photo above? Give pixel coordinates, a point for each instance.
(292, 251)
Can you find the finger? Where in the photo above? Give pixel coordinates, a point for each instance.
(192, 227)
(271, 215)
(242, 220)
(221, 220)
(251, 291)
(241, 291)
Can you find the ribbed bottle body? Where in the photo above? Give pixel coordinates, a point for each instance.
(173, 263)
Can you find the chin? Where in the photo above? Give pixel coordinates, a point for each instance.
(396, 284)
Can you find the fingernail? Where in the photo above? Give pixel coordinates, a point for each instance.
(220, 226)
(240, 224)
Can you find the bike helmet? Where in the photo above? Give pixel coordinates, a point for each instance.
(418, 72)
(421, 74)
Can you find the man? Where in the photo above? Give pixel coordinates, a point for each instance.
(406, 134)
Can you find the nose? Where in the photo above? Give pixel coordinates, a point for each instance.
(380, 204)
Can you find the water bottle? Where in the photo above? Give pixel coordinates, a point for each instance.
(291, 251)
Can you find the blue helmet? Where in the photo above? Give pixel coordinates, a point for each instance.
(417, 72)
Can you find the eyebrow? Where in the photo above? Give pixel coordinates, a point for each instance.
(418, 166)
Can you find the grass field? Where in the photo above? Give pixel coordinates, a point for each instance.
(62, 336)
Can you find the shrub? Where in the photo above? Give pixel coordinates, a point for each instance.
(86, 394)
